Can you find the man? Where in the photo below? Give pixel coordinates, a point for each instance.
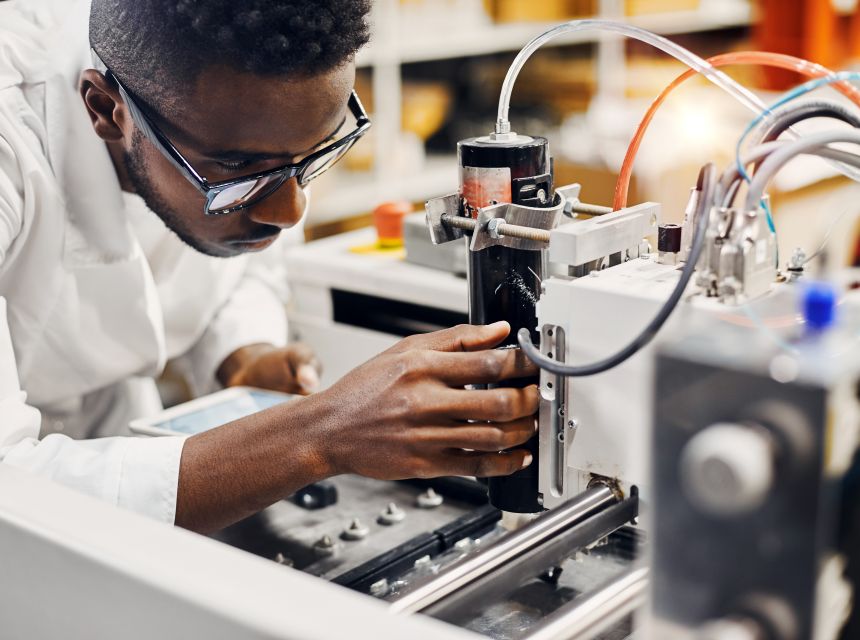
(127, 175)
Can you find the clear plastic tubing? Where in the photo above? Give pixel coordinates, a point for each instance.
(782, 156)
(763, 58)
(740, 93)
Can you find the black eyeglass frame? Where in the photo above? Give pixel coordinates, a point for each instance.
(212, 190)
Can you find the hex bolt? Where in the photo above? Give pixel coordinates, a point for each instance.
(355, 531)
(429, 499)
(380, 588)
(423, 561)
(325, 547)
(493, 227)
(391, 515)
(280, 558)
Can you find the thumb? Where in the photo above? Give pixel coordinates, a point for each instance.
(308, 378)
(305, 366)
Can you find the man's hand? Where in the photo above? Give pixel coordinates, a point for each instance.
(292, 369)
(404, 414)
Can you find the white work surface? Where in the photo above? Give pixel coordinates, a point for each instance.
(76, 568)
(316, 268)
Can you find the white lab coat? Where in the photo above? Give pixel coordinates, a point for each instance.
(95, 294)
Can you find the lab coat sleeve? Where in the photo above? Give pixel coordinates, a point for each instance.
(255, 313)
(138, 474)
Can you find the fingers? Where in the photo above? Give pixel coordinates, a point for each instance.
(481, 465)
(305, 367)
(480, 367)
(482, 437)
(492, 405)
(464, 337)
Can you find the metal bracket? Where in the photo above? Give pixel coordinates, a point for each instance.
(488, 229)
(554, 434)
(570, 193)
(487, 234)
(441, 233)
(581, 242)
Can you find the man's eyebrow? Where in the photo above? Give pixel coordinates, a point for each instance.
(259, 156)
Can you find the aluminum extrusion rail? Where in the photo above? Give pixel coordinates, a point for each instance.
(474, 567)
(593, 613)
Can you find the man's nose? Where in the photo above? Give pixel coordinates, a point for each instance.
(283, 209)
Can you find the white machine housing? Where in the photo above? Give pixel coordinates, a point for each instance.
(585, 430)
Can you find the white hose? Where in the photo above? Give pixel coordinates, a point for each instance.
(740, 93)
(782, 156)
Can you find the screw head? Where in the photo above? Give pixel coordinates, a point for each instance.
(429, 499)
(355, 531)
(325, 547)
(379, 588)
(392, 514)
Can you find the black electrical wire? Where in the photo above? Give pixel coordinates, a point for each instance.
(705, 186)
(817, 109)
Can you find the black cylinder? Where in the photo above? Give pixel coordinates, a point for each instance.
(669, 238)
(504, 283)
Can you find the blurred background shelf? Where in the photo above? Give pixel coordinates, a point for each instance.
(432, 74)
(359, 192)
(458, 42)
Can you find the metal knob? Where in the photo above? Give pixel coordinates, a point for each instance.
(728, 469)
(730, 629)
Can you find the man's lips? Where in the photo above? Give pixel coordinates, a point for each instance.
(256, 240)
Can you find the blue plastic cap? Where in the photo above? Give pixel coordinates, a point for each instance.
(819, 306)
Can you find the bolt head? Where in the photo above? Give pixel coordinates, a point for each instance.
(429, 499)
(391, 514)
(325, 547)
(355, 531)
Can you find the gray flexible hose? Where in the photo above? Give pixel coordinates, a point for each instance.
(706, 184)
(731, 178)
(779, 158)
(790, 115)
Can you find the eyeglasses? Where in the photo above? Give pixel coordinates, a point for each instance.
(228, 196)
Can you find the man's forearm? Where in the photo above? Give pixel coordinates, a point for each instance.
(230, 473)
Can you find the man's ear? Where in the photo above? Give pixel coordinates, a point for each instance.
(104, 105)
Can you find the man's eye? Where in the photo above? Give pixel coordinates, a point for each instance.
(229, 167)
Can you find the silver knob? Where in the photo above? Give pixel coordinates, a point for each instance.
(728, 469)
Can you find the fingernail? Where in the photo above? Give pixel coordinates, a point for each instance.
(499, 324)
(308, 377)
(527, 461)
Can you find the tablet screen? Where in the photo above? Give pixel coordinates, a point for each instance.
(222, 412)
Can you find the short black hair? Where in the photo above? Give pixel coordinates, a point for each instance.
(157, 47)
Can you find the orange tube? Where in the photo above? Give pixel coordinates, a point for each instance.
(778, 60)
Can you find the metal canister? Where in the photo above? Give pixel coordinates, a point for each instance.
(505, 283)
